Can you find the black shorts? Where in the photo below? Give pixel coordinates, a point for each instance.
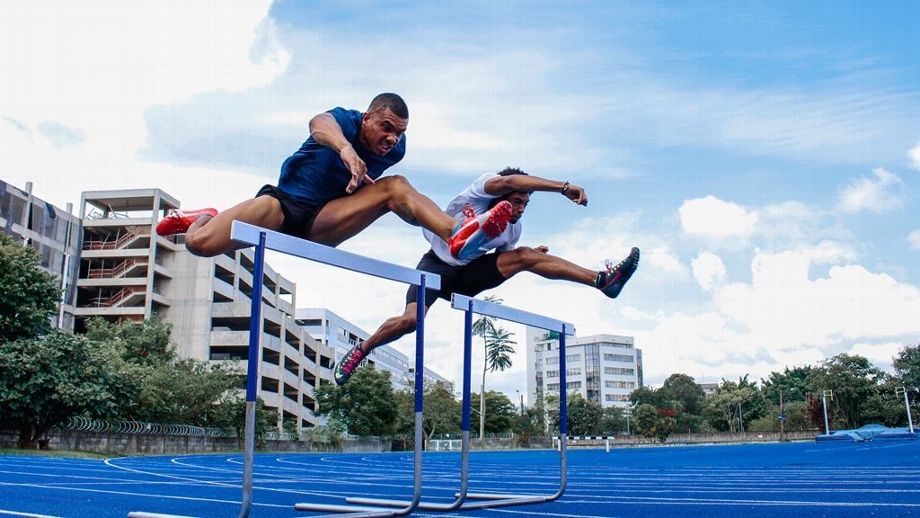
(298, 214)
(471, 279)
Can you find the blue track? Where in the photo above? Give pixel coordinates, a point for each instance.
(880, 478)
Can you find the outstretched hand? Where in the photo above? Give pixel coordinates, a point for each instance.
(576, 194)
(357, 167)
(543, 249)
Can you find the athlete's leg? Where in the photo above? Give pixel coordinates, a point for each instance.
(345, 217)
(209, 236)
(526, 259)
(393, 328)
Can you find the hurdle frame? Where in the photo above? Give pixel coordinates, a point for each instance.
(265, 239)
(469, 306)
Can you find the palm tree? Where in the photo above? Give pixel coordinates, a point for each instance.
(482, 327)
(499, 348)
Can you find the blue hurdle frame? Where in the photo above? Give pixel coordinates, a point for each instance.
(489, 500)
(262, 239)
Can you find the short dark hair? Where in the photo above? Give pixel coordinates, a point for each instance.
(392, 101)
(508, 171)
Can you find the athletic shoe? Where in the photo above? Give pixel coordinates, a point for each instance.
(476, 230)
(178, 221)
(612, 280)
(349, 363)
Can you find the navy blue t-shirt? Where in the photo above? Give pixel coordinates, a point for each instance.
(316, 173)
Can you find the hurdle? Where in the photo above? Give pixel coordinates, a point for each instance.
(491, 500)
(264, 239)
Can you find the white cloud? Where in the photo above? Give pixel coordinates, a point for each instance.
(79, 79)
(877, 194)
(914, 239)
(783, 316)
(713, 218)
(662, 258)
(708, 270)
(914, 155)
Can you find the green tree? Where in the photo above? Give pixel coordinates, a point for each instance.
(29, 294)
(230, 414)
(502, 411)
(367, 404)
(499, 348)
(45, 380)
(853, 380)
(442, 410)
(792, 383)
(584, 417)
(684, 389)
(166, 389)
(732, 403)
(646, 420)
(613, 421)
(648, 396)
(907, 365)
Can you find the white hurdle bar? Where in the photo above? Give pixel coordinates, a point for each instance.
(264, 239)
(491, 500)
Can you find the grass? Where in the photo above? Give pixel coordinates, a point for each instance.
(72, 454)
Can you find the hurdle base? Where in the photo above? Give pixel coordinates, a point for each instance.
(340, 511)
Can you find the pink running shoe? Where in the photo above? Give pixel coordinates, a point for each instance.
(476, 230)
(349, 363)
(178, 221)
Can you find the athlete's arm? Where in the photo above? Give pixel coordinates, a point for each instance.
(501, 185)
(327, 132)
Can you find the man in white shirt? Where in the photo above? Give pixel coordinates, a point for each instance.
(473, 270)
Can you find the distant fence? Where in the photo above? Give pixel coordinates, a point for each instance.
(84, 424)
(128, 437)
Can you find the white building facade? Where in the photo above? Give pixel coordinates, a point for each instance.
(341, 335)
(602, 368)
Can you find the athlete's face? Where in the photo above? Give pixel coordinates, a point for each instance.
(381, 131)
(519, 201)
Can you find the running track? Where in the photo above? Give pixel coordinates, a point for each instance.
(880, 478)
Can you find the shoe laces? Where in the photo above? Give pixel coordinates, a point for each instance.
(353, 359)
(468, 211)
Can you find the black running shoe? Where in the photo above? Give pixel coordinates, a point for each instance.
(612, 280)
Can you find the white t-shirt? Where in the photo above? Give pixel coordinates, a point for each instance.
(476, 196)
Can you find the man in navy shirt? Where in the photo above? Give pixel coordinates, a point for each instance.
(330, 189)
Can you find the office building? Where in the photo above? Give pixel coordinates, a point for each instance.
(602, 368)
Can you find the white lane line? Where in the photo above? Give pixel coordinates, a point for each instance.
(27, 515)
(147, 495)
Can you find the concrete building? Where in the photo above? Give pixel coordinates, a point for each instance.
(52, 232)
(602, 368)
(129, 272)
(341, 335)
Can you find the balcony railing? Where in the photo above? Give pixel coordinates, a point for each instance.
(118, 243)
(115, 271)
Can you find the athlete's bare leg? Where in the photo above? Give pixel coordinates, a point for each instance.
(538, 261)
(209, 236)
(345, 217)
(393, 328)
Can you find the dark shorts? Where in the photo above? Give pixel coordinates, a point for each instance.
(298, 214)
(471, 279)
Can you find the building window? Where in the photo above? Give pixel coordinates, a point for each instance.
(618, 357)
(616, 397)
(552, 360)
(573, 385)
(575, 371)
(552, 374)
(552, 386)
(572, 358)
(619, 370)
(620, 384)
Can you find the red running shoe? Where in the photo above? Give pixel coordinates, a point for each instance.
(476, 230)
(349, 363)
(178, 221)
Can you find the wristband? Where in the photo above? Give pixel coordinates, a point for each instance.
(565, 187)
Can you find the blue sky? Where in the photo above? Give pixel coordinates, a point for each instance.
(764, 156)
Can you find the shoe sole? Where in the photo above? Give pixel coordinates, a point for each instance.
(492, 227)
